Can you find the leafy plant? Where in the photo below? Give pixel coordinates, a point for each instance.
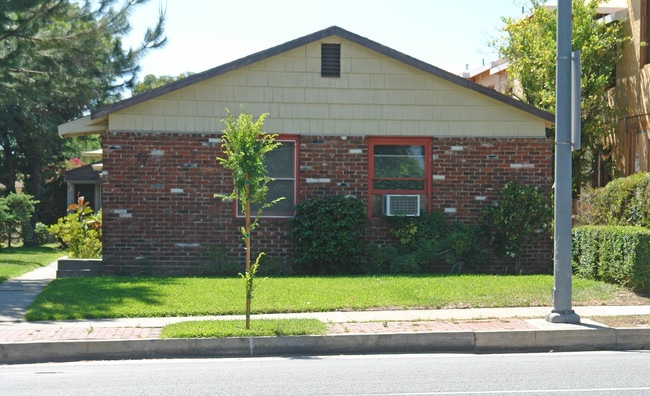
(429, 242)
(520, 216)
(529, 44)
(623, 201)
(328, 234)
(16, 211)
(218, 263)
(614, 254)
(41, 232)
(80, 231)
(245, 144)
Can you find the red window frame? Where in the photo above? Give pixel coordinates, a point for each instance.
(399, 141)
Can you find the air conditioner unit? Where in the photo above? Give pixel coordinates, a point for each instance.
(401, 205)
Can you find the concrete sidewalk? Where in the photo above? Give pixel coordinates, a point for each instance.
(460, 330)
(17, 294)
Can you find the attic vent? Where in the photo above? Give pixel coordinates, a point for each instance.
(330, 60)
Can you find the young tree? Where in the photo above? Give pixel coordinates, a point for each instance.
(529, 44)
(244, 145)
(58, 60)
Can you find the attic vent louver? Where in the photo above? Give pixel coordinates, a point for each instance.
(330, 60)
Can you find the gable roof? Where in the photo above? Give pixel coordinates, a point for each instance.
(331, 31)
(83, 173)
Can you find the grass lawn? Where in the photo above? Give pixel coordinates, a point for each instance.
(17, 261)
(114, 297)
(237, 328)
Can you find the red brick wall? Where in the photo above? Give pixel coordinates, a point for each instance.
(469, 172)
(161, 217)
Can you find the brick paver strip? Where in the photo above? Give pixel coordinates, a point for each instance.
(431, 325)
(9, 335)
(75, 333)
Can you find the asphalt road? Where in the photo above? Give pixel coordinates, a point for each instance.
(585, 373)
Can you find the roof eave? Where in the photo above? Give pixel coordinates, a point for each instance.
(83, 126)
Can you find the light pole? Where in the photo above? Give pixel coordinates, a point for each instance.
(562, 311)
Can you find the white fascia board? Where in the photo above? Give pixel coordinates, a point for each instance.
(83, 126)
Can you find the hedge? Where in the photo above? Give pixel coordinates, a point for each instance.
(613, 254)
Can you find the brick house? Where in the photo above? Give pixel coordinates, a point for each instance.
(339, 102)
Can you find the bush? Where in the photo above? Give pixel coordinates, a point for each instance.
(328, 234)
(623, 201)
(428, 243)
(80, 231)
(378, 259)
(619, 255)
(42, 235)
(16, 212)
(217, 263)
(520, 216)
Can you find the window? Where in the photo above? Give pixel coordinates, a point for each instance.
(281, 167)
(399, 166)
(330, 60)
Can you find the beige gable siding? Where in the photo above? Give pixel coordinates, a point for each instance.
(375, 95)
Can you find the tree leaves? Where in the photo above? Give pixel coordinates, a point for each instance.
(59, 59)
(244, 145)
(530, 46)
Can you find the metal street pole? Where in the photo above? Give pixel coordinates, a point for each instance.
(562, 312)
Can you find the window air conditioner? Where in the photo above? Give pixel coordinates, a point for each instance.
(401, 205)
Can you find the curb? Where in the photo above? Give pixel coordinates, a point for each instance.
(426, 342)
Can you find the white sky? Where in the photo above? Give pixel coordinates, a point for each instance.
(202, 34)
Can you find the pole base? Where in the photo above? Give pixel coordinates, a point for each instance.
(563, 317)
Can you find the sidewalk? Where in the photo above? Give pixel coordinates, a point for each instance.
(515, 328)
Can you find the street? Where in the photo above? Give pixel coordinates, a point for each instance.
(588, 373)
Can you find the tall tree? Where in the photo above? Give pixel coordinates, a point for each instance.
(529, 44)
(59, 59)
(151, 81)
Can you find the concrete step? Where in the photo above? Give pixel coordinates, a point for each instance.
(76, 273)
(68, 268)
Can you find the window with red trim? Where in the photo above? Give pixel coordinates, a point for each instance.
(281, 167)
(399, 166)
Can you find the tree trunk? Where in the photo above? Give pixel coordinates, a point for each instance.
(9, 180)
(36, 190)
(248, 256)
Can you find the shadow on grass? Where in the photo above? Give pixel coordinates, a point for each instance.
(16, 261)
(97, 298)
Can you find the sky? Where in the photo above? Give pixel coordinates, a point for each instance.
(451, 34)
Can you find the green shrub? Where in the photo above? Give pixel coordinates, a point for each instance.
(623, 201)
(520, 216)
(42, 235)
(217, 263)
(428, 243)
(16, 212)
(378, 259)
(328, 235)
(614, 254)
(404, 264)
(80, 231)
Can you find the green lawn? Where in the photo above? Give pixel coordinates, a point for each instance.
(237, 328)
(17, 261)
(114, 297)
